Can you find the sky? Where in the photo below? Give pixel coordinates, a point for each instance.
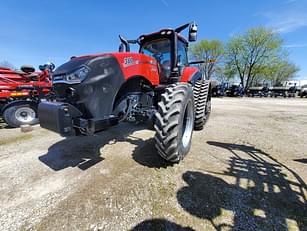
(34, 32)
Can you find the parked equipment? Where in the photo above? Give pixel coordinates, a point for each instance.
(257, 91)
(234, 90)
(21, 91)
(303, 91)
(283, 91)
(158, 83)
(219, 90)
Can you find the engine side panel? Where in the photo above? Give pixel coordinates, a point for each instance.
(135, 64)
(132, 64)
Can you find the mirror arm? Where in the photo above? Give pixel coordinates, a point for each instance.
(181, 28)
(197, 62)
(203, 61)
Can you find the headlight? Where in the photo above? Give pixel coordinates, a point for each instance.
(77, 76)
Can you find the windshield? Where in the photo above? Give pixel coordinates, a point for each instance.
(159, 49)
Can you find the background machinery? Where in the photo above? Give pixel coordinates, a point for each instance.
(21, 91)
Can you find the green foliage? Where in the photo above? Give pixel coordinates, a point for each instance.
(258, 55)
(210, 51)
(278, 71)
(255, 57)
(224, 73)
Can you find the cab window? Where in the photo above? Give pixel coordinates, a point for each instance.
(159, 49)
(182, 57)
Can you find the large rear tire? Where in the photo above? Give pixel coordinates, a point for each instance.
(202, 101)
(18, 115)
(174, 121)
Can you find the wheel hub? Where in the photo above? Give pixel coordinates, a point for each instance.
(25, 114)
(187, 126)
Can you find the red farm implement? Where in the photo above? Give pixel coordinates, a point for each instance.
(21, 91)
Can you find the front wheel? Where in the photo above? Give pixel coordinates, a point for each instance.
(18, 115)
(174, 121)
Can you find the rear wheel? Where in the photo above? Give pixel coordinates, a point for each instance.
(202, 101)
(18, 115)
(174, 121)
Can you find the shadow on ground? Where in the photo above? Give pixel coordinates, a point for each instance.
(159, 225)
(261, 197)
(303, 160)
(146, 154)
(84, 151)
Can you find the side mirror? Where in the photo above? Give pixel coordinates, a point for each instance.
(192, 32)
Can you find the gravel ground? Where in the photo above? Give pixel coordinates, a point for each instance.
(246, 171)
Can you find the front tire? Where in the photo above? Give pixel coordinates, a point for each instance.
(174, 121)
(18, 115)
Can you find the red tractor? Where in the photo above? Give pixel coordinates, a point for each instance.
(158, 83)
(21, 91)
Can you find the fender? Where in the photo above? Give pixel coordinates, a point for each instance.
(133, 84)
(191, 75)
(34, 104)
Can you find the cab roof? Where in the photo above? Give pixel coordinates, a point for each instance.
(164, 33)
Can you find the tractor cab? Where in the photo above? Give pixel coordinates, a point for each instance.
(168, 47)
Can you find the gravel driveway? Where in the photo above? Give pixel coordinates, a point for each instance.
(246, 171)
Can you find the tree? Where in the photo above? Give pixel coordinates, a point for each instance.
(209, 51)
(7, 64)
(224, 73)
(279, 71)
(249, 53)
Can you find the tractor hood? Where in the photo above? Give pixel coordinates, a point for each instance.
(85, 68)
(72, 65)
(77, 62)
